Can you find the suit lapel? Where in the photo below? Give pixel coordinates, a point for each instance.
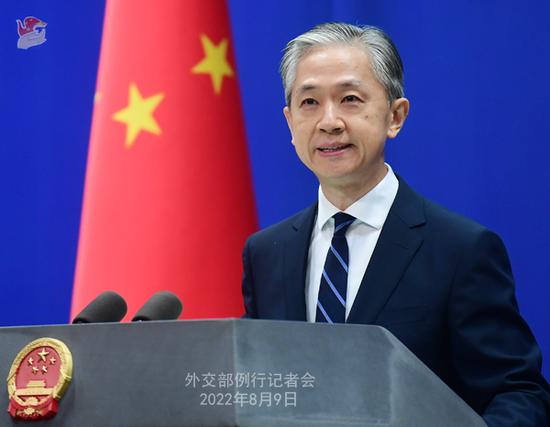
(396, 247)
(295, 257)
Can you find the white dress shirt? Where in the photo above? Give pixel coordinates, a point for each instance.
(371, 212)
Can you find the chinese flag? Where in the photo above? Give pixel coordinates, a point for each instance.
(168, 198)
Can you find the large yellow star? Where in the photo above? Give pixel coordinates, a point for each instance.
(138, 115)
(214, 62)
(43, 354)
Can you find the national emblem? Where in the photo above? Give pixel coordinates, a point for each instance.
(38, 378)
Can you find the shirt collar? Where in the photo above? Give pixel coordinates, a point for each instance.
(371, 209)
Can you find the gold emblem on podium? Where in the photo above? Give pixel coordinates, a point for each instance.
(38, 378)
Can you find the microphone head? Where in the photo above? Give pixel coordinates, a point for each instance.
(162, 305)
(106, 307)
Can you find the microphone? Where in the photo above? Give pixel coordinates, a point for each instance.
(106, 307)
(162, 305)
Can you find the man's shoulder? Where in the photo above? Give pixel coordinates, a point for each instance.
(280, 230)
(445, 223)
(450, 220)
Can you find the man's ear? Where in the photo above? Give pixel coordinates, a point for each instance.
(288, 117)
(399, 111)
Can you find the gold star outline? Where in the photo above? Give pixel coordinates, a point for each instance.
(138, 115)
(214, 62)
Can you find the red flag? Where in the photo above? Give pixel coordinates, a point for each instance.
(168, 197)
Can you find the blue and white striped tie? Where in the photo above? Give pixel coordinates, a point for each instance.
(331, 304)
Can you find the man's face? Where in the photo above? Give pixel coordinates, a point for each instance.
(340, 117)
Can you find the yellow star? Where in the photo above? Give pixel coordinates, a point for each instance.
(43, 353)
(214, 62)
(30, 360)
(34, 369)
(53, 360)
(44, 369)
(138, 115)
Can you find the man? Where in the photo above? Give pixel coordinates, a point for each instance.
(373, 251)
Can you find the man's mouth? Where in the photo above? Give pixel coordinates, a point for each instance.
(334, 148)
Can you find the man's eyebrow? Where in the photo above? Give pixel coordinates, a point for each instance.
(350, 83)
(344, 84)
(306, 87)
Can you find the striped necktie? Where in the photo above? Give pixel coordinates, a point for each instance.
(331, 304)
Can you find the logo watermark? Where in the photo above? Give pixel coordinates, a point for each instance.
(32, 32)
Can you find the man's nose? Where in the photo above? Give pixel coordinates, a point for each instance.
(330, 122)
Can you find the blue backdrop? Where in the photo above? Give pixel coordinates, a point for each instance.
(475, 140)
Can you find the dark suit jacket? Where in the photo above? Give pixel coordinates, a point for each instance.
(440, 283)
